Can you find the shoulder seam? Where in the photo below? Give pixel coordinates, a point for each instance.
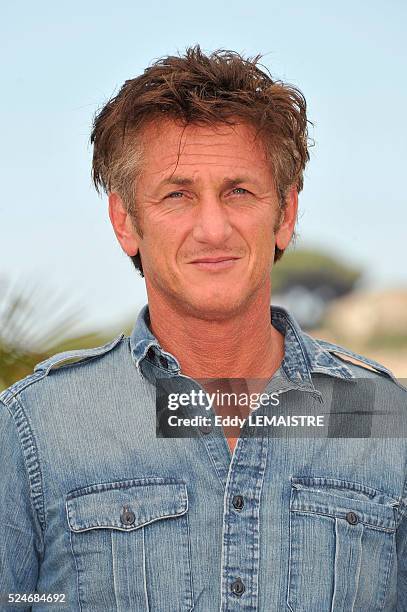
(7, 395)
(341, 352)
(336, 348)
(82, 354)
(29, 451)
(42, 369)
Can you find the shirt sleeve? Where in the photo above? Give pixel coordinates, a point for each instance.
(401, 543)
(20, 531)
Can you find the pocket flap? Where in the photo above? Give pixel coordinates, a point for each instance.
(125, 505)
(327, 497)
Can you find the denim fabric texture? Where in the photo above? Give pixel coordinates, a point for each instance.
(93, 505)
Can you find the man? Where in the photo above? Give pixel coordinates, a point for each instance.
(202, 157)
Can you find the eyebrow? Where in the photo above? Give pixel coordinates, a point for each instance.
(185, 181)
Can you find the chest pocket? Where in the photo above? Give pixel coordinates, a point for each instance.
(130, 540)
(342, 546)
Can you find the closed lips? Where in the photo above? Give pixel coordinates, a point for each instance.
(213, 259)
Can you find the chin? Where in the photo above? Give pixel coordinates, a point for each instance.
(213, 309)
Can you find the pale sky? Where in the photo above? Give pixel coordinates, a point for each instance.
(62, 61)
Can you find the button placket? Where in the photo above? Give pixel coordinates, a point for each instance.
(241, 531)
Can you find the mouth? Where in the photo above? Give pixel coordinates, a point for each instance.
(215, 263)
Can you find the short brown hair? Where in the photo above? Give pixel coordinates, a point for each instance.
(200, 89)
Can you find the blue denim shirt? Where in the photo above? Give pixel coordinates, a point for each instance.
(97, 508)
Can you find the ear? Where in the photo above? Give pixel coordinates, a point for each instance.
(122, 225)
(289, 217)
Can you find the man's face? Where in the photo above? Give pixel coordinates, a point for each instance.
(208, 211)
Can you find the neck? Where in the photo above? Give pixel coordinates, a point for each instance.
(245, 345)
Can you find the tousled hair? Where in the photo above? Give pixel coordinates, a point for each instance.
(195, 88)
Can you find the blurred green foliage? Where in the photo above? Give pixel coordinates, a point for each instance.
(33, 327)
(311, 268)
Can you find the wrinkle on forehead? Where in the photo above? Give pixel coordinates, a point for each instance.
(182, 142)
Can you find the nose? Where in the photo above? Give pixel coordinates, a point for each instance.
(212, 225)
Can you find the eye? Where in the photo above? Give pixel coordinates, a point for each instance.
(174, 194)
(241, 189)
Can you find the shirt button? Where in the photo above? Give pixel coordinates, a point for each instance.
(237, 587)
(238, 502)
(352, 518)
(127, 517)
(205, 429)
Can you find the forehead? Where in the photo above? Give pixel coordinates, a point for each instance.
(168, 142)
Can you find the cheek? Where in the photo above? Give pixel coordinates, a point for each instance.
(263, 247)
(262, 236)
(161, 245)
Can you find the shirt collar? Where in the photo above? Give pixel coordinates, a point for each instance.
(144, 345)
(303, 355)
